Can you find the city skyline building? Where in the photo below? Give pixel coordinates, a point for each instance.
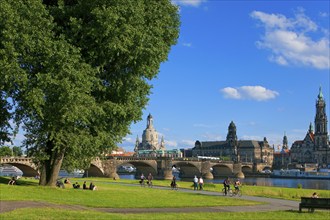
(234, 149)
(314, 148)
(150, 145)
(149, 138)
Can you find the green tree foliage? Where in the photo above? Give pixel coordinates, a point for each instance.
(17, 151)
(79, 72)
(5, 151)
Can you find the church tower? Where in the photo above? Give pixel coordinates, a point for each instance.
(232, 140)
(150, 136)
(231, 136)
(321, 121)
(285, 142)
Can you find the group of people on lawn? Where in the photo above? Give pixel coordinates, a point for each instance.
(77, 185)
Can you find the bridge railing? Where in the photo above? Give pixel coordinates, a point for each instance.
(15, 159)
(193, 159)
(131, 158)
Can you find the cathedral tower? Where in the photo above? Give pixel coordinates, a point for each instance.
(285, 142)
(321, 121)
(232, 140)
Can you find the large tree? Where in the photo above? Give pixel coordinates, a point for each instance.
(77, 72)
(4, 120)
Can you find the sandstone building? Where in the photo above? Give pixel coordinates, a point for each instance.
(150, 145)
(235, 150)
(314, 148)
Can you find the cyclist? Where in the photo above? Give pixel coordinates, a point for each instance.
(226, 184)
(173, 183)
(237, 184)
(150, 178)
(142, 178)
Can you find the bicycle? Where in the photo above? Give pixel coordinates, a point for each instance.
(229, 192)
(237, 192)
(142, 183)
(149, 183)
(174, 186)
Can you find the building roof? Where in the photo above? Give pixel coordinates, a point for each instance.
(223, 144)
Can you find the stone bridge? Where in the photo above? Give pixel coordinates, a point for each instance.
(159, 167)
(25, 164)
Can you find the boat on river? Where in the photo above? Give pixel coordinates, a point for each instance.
(296, 173)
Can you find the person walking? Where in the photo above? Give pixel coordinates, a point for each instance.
(150, 178)
(173, 183)
(201, 183)
(226, 185)
(195, 183)
(142, 180)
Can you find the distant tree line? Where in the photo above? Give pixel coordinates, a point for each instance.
(6, 151)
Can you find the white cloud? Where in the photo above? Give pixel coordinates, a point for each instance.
(129, 140)
(231, 93)
(324, 14)
(194, 3)
(251, 137)
(187, 143)
(187, 44)
(212, 137)
(169, 143)
(200, 125)
(289, 41)
(257, 93)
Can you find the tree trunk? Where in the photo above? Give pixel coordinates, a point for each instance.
(50, 168)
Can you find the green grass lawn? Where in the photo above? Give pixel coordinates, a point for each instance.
(263, 191)
(59, 214)
(123, 196)
(114, 196)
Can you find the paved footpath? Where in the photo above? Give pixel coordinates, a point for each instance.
(269, 205)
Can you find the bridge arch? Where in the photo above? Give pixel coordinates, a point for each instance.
(187, 169)
(142, 167)
(93, 171)
(267, 168)
(247, 169)
(26, 165)
(27, 170)
(220, 170)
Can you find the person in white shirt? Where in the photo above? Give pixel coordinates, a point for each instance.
(195, 183)
(201, 183)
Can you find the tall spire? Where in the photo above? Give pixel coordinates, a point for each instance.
(285, 142)
(150, 121)
(320, 95)
(137, 144)
(310, 129)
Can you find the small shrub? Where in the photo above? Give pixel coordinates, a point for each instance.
(299, 186)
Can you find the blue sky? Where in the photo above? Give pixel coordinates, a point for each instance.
(257, 63)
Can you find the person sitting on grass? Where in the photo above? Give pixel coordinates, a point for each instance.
(67, 181)
(12, 181)
(84, 185)
(92, 186)
(76, 185)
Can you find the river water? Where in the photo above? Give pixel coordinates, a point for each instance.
(264, 181)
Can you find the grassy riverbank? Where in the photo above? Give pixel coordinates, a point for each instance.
(262, 191)
(125, 196)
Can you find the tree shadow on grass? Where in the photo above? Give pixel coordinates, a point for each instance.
(24, 181)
